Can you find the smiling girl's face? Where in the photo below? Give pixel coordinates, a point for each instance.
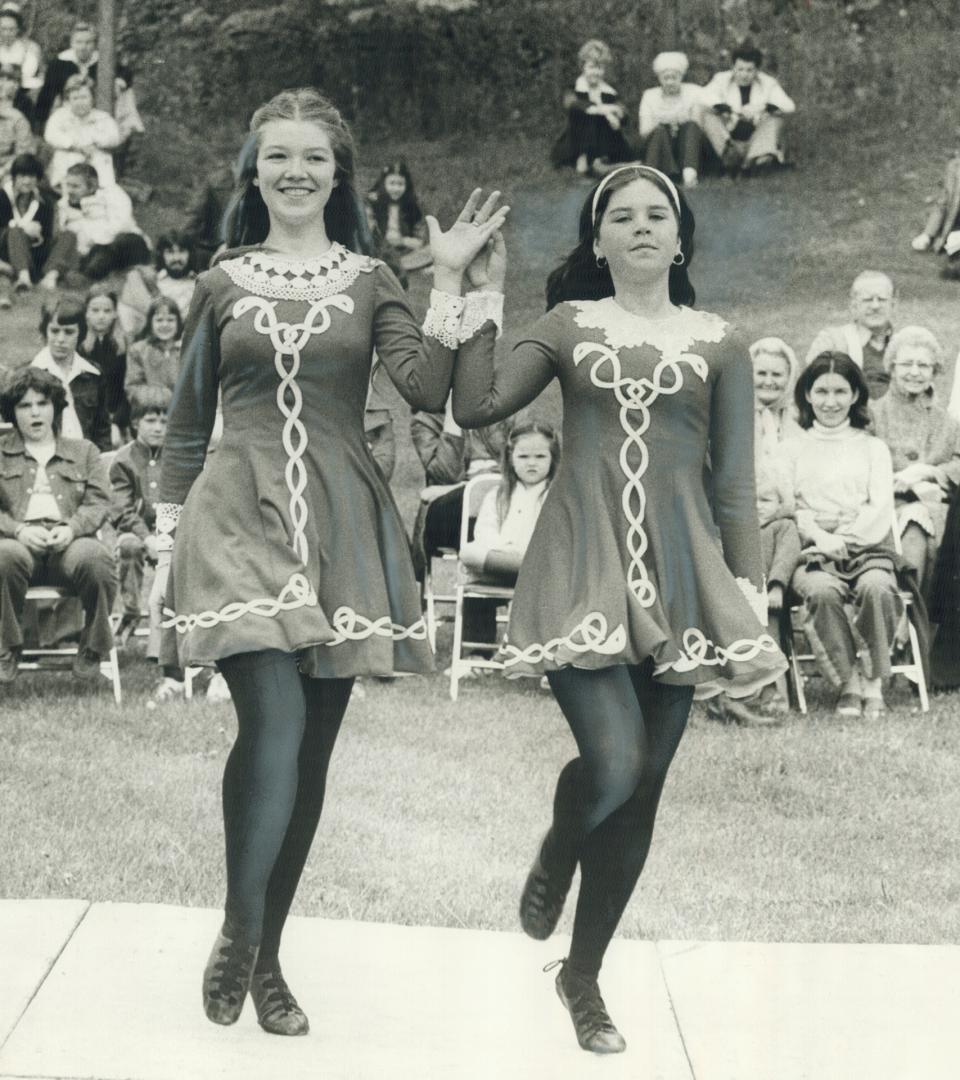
(163, 325)
(831, 397)
(296, 170)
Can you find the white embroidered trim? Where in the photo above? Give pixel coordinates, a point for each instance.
(442, 321)
(351, 626)
(696, 649)
(168, 515)
(636, 396)
(289, 339)
(278, 278)
(756, 598)
(594, 634)
(479, 308)
(624, 330)
(296, 593)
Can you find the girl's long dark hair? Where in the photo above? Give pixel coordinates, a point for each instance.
(840, 364)
(410, 213)
(509, 476)
(579, 278)
(246, 220)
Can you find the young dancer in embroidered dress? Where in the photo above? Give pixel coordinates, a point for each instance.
(625, 599)
(291, 568)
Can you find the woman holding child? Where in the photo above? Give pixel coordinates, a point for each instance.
(626, 600)
(290, 569)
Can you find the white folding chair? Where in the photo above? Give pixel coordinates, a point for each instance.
(461, 665)
(430, 598)
(34, 659)
(911, 668)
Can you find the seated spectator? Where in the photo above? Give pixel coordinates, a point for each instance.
(924, 443)
(154, 358)
(450, 457)
(205, 216)
(84, 416)
(670, 116)
(18, 51)
(593, 139)
(396, 220)
(509, 512)
(943, 221)
(774, 377)
(54, 496)
(105, 345)
(172, 276)
(865, 338)
(79, 59)
(743, 114)
(97, 231)
(15, 135)
(841, 479)
(80, 133)
(27, 215)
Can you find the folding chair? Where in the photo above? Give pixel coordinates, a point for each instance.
(430, 599)
(911, 669)
(461, 665)
(32, 659)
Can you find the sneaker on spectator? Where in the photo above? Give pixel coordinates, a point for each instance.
(49, 280)
(217, 689)
(169, 690)
(690, 177)
(8, 665)
(921, 242)
(86, 664)
(23, 284)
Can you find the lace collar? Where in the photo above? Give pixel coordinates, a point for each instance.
(624, 330)
(278, 277)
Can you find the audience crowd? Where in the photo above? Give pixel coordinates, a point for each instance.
(857, 459)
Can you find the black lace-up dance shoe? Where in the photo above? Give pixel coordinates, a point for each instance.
(226, 978)
(541, 902)
(591, 1021)
(277, 1009)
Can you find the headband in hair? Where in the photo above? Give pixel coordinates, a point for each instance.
(668, 183)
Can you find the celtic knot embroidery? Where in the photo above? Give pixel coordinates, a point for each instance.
(697, 649)
(635, 397)
(351, 626)
(295, 594)
(593, 634)
(289, 339)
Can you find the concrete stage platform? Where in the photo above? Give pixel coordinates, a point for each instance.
(112, 992)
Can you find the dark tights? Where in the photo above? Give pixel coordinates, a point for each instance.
(627, 727)
(273, 787)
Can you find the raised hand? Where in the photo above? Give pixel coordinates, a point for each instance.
(456, 249)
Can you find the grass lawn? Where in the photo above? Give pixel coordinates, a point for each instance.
(819, 831)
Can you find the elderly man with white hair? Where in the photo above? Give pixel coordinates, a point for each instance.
(670, 120)
(864, 339)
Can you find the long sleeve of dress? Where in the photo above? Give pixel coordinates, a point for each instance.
(872, 524)
(419, 362)
(194, 407)
(485, 391)
(732, 464)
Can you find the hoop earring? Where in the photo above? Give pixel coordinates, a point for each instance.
(679, 259)
(601, 261)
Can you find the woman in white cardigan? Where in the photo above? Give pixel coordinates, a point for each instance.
(79, 132)
(841, 478)
(670, 120)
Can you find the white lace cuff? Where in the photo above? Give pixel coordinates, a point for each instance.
(168, 515)
(756, 598)
(443, 318)
(478, 308)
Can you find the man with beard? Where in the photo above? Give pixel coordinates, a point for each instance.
(173, 276)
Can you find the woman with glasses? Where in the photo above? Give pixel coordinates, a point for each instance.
(924, 443)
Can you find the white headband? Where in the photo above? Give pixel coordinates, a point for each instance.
(668, 183)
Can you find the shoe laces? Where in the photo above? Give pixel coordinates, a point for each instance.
(583, 996)
(278, 992)
(231, 970)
